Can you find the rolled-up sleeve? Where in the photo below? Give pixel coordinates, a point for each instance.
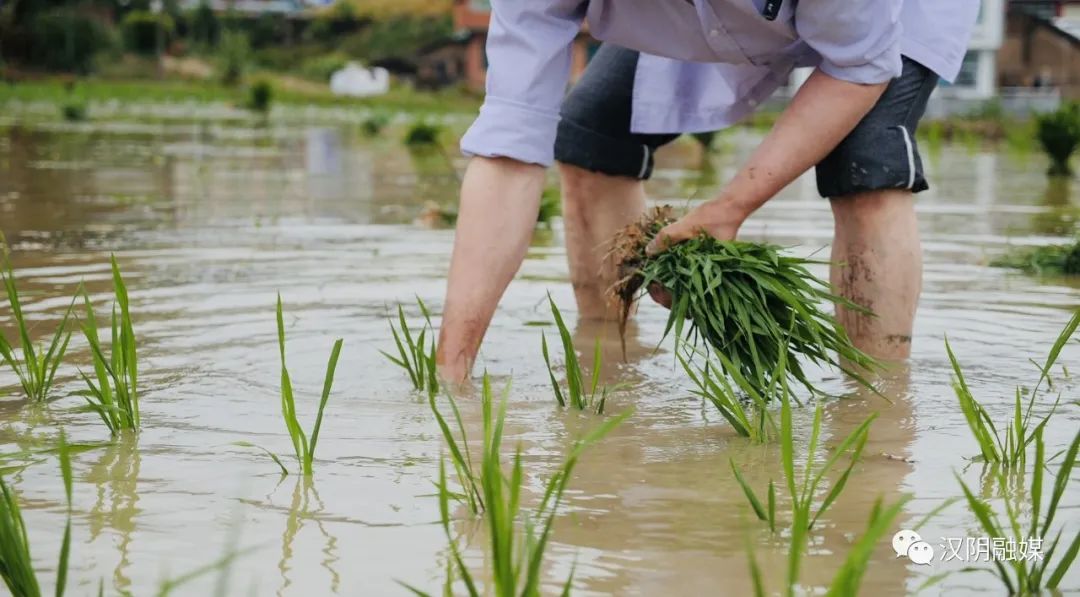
(858, 40)
(528, 48)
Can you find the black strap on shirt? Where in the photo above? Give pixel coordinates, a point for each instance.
(769, 11)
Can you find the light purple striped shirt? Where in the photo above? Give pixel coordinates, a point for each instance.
(705, 64)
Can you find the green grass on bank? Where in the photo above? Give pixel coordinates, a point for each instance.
(92, 89)
(291, 91)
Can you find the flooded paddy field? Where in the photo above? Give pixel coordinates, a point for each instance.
(210, 218)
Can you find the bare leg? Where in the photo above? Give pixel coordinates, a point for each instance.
(595, 207)
(499, 202)
(877, 263)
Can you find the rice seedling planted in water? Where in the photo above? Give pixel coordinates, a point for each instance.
(517, 540)
(416, 352)
(460, 455)
(303, 447)
(1009, 450)
(16, 564)
(73, 111)
(849, 577)
(802, 494)
(881, 524)
(37, 369)
(113, 393)
(579, 395)
(1046, 260)
(373, 125)
(422, 133)
(260, 96)
(747, 301)
(1059, 135)
(1031, 575)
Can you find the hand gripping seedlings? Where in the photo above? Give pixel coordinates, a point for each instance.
(747, 301)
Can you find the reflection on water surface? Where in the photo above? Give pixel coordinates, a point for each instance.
(210, 221)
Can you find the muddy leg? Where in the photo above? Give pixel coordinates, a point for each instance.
(877, 263)
(595, 206)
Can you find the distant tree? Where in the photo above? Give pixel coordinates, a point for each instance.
(205, 27)
(66, 40)
(61, 35)
(146, 32)
(266, 30)
(24, 10)
(235, 53)
(398, 37)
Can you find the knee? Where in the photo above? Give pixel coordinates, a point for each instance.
(580, 187)
(576, 181)
(874, 207)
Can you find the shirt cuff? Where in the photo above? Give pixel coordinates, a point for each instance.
(514, 130)
(881, 69)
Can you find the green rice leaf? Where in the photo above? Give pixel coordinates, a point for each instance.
(1064, 564)
(848, 579)
(274, 457)
(759, 510)
(1061, 483)
(65, 544)
(755, 571)
(328, 383)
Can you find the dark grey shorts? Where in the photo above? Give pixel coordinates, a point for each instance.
(881, 153)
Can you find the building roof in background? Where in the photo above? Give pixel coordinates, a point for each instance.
(1062, 16)
(1069, 25)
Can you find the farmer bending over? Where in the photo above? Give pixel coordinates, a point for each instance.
(676, 66)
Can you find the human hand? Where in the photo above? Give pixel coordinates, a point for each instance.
(719, 218)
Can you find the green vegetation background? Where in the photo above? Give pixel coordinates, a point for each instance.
(125, 50)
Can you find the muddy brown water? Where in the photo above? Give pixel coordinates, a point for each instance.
(210, 219)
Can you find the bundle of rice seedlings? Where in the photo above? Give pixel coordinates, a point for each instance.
(260, 97)
(423, 134)
(749, 302)
(1059, 135)
(74, 111)
(1045, 260)
(374, 124)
